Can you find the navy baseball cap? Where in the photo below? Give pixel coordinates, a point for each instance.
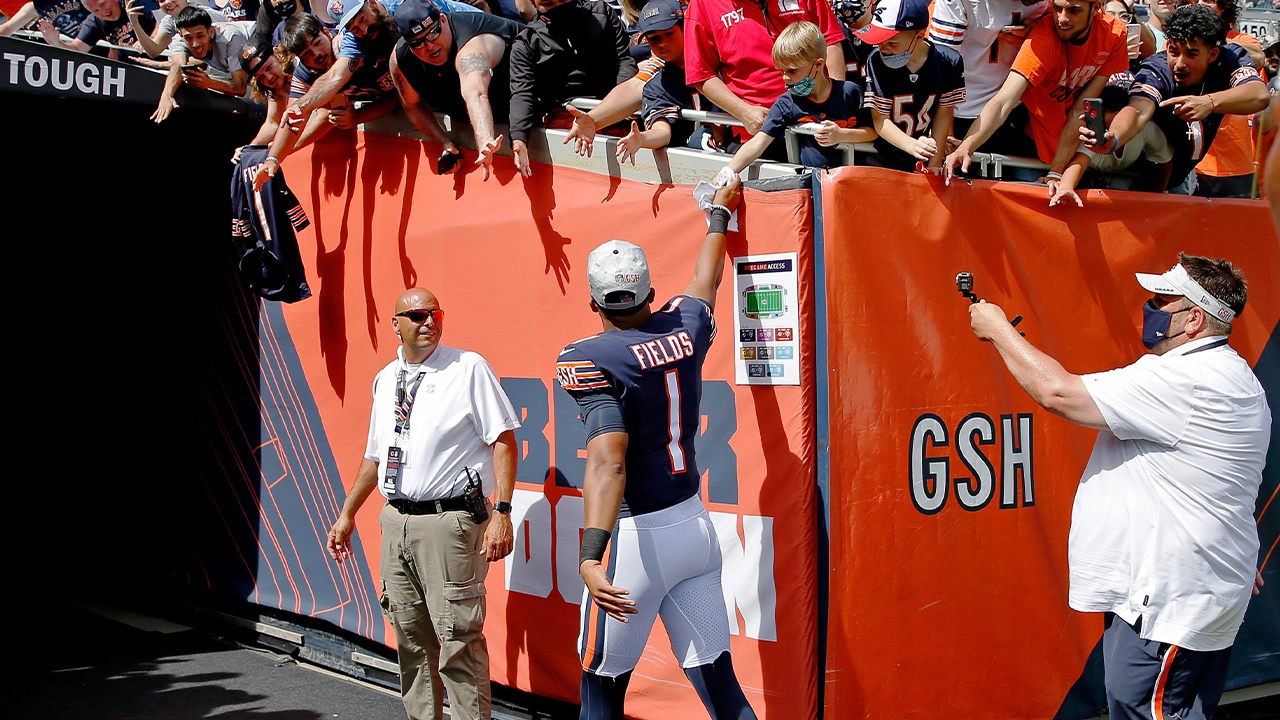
(415, 17)
(894, 16)
(659, 15)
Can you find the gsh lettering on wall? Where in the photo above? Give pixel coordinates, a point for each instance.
(931, 478)
(548, 529)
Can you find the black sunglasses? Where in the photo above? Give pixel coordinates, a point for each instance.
(425, 37)
(418, 316)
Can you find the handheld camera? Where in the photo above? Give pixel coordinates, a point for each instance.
(964, 284)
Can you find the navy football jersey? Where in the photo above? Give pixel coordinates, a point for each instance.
(856, 54)
(911, 99)
(66, 15)
(262, 226)
(844, 107)
(1190, 141)
(655, 372)
(665, 95)
(119, 31)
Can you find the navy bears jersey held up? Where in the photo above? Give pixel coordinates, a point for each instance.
(655, 372)
(263, 223)
(1190, 141)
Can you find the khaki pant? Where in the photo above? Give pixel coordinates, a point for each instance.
(433, 593)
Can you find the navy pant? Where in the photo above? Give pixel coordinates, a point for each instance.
(1149, 680)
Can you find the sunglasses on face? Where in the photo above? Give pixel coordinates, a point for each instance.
(417, 316)
(426, 37)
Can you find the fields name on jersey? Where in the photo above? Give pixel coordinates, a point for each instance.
(664, 350)
(548, 531)
(933, 478)
(87, 77)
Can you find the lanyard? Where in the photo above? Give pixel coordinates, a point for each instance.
(1210, 346)
(404, 400)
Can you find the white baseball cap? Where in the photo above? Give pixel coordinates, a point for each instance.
(1177, 282)
(618, 267)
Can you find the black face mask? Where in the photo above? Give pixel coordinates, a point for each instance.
(559, 13)
(286, 9)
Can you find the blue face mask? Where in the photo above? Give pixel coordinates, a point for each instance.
(1155, 325)
(899, 60)
(805, 86)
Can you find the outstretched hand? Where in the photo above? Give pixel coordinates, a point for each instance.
(521, 153)
(582, 132)
(487, 152)
(1059, 195)
(1190, 107)
(629, 145)
(959, 159)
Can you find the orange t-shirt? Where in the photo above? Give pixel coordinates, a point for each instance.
(1057, 71)
(1231, 153)
(11, 7)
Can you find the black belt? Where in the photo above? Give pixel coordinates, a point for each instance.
(429, 507)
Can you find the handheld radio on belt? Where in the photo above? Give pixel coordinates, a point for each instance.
(964, 283)
(474, 495)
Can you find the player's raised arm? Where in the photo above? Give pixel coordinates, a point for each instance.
(710, 268)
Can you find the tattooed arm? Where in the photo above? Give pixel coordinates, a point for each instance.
(475, 63)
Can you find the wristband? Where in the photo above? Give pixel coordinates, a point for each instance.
(719, 221)
(1213, 106)
(1053, 175)
(594, 541)
(273, 157)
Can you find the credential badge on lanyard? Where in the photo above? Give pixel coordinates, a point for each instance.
(397, 458)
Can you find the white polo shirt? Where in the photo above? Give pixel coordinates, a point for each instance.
(458, 412)
(1162, 526)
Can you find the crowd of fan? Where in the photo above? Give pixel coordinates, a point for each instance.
(930, 84)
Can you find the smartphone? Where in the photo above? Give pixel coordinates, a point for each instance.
(447, 162)
(192, 67)
(1134, 40)
(1094, 119)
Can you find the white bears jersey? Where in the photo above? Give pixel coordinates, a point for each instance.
(973, 27)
